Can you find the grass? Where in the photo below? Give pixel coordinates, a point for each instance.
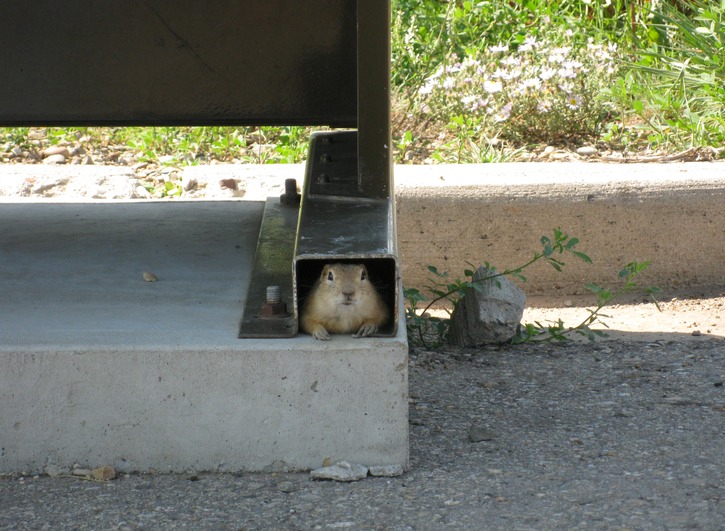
(481, 81)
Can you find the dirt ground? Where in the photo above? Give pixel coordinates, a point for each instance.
(685, 316)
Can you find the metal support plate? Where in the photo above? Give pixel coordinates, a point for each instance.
(272, 267)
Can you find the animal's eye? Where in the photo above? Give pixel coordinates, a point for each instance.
(330, 276)
(363, 276)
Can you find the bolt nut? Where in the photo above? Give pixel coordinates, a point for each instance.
(274, 307)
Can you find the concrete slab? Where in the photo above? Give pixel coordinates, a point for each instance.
(101, 367)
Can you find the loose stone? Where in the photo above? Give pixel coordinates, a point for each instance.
(586, 151)
(55, 150)
(54, 159)
(479, 433)
(342, 471)
(103, 473)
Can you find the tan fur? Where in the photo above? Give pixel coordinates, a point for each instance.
(348, 303)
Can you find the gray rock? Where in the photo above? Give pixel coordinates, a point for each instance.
(479, 433)
(342, 471)
(141, 193)
(288, 486)
(388, 471)
(54, 471)
(55, 150)
(586, 151)
(489, 316)
(123, 466)
(54, 159)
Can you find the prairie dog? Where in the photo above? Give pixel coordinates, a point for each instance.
(343, 301)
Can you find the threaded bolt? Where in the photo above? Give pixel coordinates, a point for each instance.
(274, 294)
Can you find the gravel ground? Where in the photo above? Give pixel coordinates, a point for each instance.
(618, 434)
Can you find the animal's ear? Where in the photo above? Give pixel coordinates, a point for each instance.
(363, 272)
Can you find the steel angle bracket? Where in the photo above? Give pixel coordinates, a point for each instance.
(339, 223)
(272, 267)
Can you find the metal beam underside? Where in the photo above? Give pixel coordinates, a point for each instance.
(178, 62)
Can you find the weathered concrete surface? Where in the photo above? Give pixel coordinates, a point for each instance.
(98, 366)
(671, 214)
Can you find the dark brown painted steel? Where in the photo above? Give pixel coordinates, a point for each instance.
(152, 62)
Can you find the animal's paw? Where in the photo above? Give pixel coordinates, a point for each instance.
(366, 330)
(321, 334)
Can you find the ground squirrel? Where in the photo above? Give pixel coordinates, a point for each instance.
(343, 301)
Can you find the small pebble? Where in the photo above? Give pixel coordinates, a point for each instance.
(230, 184)
(341, 471)
(287, 487)
(478, 433)
(55, 150)
(149, 277)
(586, 151)
(142, 193)
(54, 159)
(103, 473)
(54, 471)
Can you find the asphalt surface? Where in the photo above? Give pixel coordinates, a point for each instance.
(607, 435)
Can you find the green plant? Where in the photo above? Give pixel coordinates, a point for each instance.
(680, 74)
(605, 296)
(537, 92)
(441, 287)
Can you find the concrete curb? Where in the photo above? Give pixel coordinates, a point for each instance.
(670, 214)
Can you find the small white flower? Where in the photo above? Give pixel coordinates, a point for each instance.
(492, 87)
(543, 106)
(559, 55)
(468, 100)
(573, 101)
(531, 83)
(525, 47)
(566, 73)
(572, 64)
(504, 113)
(499, 48)
(514, 73)
(547, 73)
(427, 88)
(480, 103)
